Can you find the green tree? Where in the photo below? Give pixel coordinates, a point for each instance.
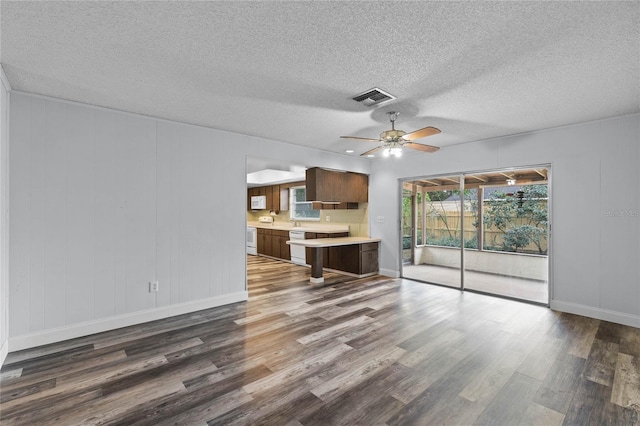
(435, 208)
(528, 206)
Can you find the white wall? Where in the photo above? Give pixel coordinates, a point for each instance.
(595, 171)
(4, 216)
(102, 202)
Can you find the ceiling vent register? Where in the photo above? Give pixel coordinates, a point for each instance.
(373, 97)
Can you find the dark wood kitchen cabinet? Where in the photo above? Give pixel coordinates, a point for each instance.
(359, 259)
(273, 243)
(273, 198)
(325, 250)
(336, 186)
(264, 241)
(280, 240)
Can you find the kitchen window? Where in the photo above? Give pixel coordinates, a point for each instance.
(299, 207)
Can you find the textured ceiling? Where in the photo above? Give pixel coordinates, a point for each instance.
(287, 70)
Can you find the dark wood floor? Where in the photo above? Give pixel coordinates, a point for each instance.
(353, 351)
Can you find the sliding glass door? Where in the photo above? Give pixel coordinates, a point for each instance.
(485, 232)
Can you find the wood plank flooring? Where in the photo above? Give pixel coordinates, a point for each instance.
(365, 351)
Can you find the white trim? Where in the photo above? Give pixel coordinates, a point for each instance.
(4, 180)
(4, 79)
(97, 326)
(140, 115)
(121, 111)
(390, 273)
(313, 280)
(547, 129)
(597, 313)
(4, 351)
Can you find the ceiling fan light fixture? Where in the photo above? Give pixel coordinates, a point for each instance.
(393, 140)
(392, 151)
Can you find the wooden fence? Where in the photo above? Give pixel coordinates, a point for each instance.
(437, 230)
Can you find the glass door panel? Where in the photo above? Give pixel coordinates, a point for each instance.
(437, 245)
(510, 214)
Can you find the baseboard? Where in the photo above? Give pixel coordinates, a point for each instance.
(4, 351)
(98, 326)
(389, 273)
(597, 313)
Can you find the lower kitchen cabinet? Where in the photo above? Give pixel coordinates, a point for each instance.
(369, 258)
(273, 242)
(283, 251)
(359, 259)
(263, 245)
(325, 250)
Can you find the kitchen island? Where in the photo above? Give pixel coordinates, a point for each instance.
(356, 256)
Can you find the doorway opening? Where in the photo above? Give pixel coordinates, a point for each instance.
(486, 232)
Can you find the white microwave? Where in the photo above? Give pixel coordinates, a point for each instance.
(258, 202)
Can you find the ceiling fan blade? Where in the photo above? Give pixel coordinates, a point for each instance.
(360, 139)
(421, 133)
(421, 147)
(371, 151)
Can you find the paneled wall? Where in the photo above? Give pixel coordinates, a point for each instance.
(595, 202)
(103, 202)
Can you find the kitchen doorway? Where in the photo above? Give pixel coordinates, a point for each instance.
(486, 232)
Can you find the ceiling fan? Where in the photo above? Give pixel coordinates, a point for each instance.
(394, 140)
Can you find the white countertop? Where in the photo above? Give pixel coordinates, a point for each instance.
(333, 242)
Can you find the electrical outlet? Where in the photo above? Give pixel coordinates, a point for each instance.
(154, 286)
(328, 219)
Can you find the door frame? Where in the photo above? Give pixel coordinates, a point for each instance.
(462, 174)
(412, 248)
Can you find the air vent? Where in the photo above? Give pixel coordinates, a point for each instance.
(373, 97)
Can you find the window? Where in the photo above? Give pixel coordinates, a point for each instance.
(299, 207)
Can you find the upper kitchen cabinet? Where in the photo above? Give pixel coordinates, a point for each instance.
(277, 197)
(336, 186)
